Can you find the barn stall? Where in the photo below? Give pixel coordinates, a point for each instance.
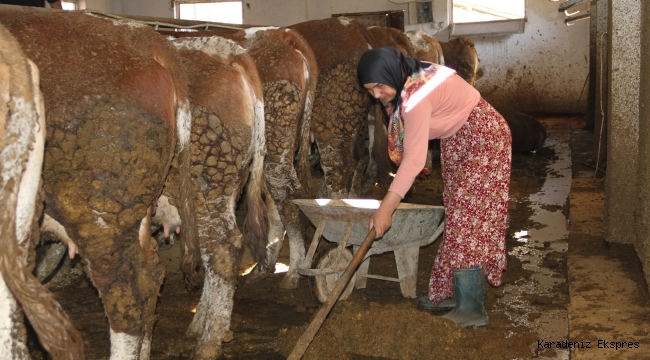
(576, 241)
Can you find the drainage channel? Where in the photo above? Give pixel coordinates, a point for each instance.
(550, 234)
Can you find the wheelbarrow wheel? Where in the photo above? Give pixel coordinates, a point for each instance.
(321, 286)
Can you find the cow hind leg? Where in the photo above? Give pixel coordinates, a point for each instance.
(129, 292)
(296, 255)
(290, 215)
(112, 218)
(211, 323)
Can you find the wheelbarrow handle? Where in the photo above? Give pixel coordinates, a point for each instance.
(316, 323)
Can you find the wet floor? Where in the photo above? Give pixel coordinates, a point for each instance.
(549, 234)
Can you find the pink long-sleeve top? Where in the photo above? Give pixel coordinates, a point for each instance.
(436, 111)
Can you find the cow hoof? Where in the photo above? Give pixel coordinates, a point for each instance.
(289, 283)
(254, 277)
(207, 352)
(193, 332)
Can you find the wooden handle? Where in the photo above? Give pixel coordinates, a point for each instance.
(306, 338)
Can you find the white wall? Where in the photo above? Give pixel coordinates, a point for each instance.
(99, 5)
(289, 12)
(275, 12)
(157, 8)
(543, 69)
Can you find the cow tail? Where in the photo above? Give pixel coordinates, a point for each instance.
(303, 168)
(256, 222)
(189, 237)
(55, 330)
(380, 146)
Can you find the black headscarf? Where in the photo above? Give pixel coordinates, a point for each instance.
(388, 66)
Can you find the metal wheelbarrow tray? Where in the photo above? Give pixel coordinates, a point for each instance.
(346, 222)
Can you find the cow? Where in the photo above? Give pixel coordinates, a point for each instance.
(22, 142)
(289, 74)
(460, 55)
(426, 47)
(341, 105)
(388, 36)
(528, 134)
(227, 143)
(416, 43)
(117, 107)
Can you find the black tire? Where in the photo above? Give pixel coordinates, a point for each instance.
(321, 286)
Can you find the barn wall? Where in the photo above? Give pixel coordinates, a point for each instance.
(622, 120)
(643, 225)
(593, 56)
(276, 12)
(109, 6)
(543, 69)
(156, 8)
(289, 12)
(601, 85)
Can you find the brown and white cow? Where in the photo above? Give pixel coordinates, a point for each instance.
(425, 47)
(341, 105)
(289, 74)
(227, 143)
(22, 142)
(460, 55)
(388, 36)
(116, 106)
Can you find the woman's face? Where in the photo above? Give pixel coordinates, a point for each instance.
(382, 92)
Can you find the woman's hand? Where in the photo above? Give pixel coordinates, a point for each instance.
(382, 219)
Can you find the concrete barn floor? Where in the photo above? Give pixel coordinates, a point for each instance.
(609, 303)
(563, 284)
(608, 297)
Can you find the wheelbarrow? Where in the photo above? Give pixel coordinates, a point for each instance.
(346, 222)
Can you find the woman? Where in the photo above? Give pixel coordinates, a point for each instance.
(426, 101)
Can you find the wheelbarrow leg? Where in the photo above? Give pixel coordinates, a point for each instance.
(407, 269)
(362, 271)
(306, 262)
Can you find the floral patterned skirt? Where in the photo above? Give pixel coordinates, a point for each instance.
(476, 174)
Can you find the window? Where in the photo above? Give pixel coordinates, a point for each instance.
(485, 17)
(69, 5)
(466, 11)
(230, 12)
